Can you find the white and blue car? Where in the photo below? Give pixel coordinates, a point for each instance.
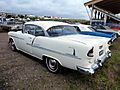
(105, 29)
(87, 30)
(60, 44)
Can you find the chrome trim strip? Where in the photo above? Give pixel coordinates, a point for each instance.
(69, 55)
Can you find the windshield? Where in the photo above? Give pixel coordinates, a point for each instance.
(101, 27)
(107, 27)
(92, 28)
(61, 30)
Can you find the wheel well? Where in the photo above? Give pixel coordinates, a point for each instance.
(44, 58)
(10, 39)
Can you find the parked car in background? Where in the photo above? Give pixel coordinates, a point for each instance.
(106, 29)
(115, 26)
(2, 20)
(86, 30)
(10, 24)
(14, 24)
(60, 44)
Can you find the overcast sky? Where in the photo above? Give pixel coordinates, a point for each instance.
(61, 8)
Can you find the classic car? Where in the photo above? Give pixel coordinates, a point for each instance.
(105, 29)
(8, 25)
(60, 45)
(86, 30)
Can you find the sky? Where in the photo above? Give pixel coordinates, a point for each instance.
(60, 8)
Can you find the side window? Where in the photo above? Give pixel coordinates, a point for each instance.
(39, 31)
(30, 29)
(26, 28)
(97, 27)
(102, 27)
(77, 28)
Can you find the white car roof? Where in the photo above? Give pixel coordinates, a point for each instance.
(46, 24)
(82, 27)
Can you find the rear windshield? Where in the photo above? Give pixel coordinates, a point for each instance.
(61, 30)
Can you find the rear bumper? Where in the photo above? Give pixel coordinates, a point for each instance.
(95, 66)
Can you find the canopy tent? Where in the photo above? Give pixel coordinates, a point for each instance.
(112, 6)
(102, 9)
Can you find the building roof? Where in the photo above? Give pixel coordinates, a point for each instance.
(112, 6)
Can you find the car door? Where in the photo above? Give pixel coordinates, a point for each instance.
(29, 36)
(39, 41)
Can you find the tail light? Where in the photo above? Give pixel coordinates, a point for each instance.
(90, 53)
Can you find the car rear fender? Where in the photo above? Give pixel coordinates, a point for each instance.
(44, 56)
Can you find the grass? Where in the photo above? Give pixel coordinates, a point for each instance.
(65, 20)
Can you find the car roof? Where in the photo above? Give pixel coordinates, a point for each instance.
(81, 25)
(46, 24)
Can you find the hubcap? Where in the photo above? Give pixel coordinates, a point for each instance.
(53, 65)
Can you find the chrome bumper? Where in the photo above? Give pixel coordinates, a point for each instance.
(95, 66)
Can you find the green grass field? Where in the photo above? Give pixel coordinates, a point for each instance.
(65, 20)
